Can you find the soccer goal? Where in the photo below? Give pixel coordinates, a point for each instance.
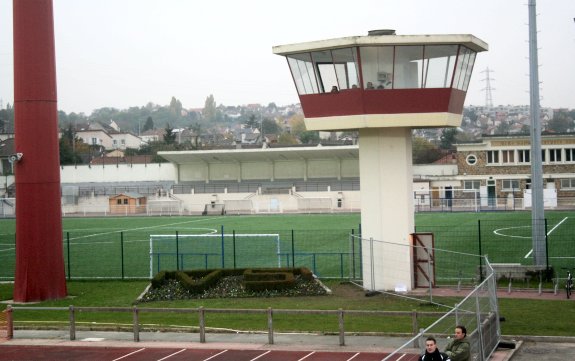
(214, 250)
(239, 206)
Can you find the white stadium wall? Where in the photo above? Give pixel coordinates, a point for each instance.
(257, 170)
(289, 169)
(193, 172)
(153, 172)
(277, 170)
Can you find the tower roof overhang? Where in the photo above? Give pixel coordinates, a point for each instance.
(467, 40)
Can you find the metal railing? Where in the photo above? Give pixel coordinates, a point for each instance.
(201, 312)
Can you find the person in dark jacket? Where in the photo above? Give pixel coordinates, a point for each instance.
(458, 349)
(432, 352)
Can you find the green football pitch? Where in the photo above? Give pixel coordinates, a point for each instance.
(120, 247)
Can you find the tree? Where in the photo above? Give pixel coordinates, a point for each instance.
(309, 137)
(272, 107)
(270, 127)
(525, 129)
(448, 138)
(503, 128)
(287, 138)
(170, 135)
(252, 122)
(68, 142)
(561, 122)
(176, 107)
(7, 119)
(149, 124)
(424, 152)
(471, 114)
(297, 124)
(210, 109)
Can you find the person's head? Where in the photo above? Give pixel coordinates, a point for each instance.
(460, 332)
(430, 344)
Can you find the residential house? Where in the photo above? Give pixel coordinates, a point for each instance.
(153, 135)
(96, 137)
(125, 140)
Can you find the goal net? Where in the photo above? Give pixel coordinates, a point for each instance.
(239, 206)
(213, 250)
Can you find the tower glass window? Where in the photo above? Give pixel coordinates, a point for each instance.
(408, 67)
(326, 74)
(438, 65)
(377, 66)
(382, 67)
(465, 61)
(302, 70)
(345, 63)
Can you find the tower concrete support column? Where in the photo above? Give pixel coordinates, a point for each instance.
(387, 214)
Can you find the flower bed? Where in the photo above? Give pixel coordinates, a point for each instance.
(231, 287)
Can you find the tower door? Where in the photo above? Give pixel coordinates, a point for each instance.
(423, 260)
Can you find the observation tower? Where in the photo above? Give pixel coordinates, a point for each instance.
(384, 85)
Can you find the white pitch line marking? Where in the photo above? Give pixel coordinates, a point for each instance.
(130, 354)
(265, 353)
(175, 353)
(216, 355)
(548, 233)
(306, 356)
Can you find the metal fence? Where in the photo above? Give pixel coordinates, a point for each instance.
(127, 254)
(509, 241)
(329, 253)
(478, 311)
(465, 202)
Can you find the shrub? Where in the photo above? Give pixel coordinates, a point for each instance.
(198, 281)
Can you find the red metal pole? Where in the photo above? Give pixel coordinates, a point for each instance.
(40, 273)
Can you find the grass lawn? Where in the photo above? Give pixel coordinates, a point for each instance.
(92, 249)
(523, 317)
(119, 247)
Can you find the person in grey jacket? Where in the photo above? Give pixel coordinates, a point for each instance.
(458, 349)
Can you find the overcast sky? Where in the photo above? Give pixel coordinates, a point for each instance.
(122, 53)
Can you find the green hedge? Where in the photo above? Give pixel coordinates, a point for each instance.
(268, 279)
(259, 279)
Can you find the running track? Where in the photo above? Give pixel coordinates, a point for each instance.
(72, 353)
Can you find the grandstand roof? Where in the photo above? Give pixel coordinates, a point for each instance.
(261, 154)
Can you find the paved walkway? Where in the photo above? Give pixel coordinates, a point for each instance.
(239, 341)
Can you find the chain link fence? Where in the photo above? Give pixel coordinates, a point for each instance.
(476, 281)
(127, 254)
